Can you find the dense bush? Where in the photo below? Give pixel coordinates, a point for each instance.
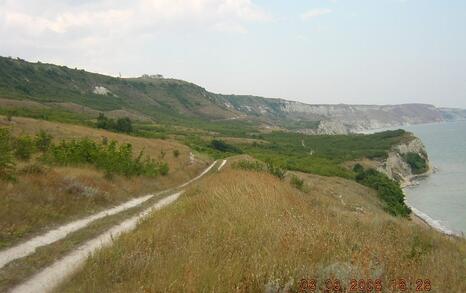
(297, 182)
(358, 168)
(417, 163)
(387, 189)
(124, 125)
(111, 157)
(321, 154)
(7, 165)
(257, 166)
(121, 125)
(222, 146)
(42, 141)
(24, 147)
(249, 165)
(275, 170)
(163, 168)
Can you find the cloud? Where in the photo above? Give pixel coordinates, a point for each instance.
(313, 13)
(103, 17)
(229, 27)
(102, 35)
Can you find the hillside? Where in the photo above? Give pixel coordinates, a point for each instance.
(45, 193)
(312, 207)
(44, 90)
(243, 231)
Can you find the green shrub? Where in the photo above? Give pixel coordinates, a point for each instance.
(42, 141)
(275, 170)
(417, 163)
(103, 122)
(124, 125)
(387, 189)
(164, 169)
(257, 166)
(176, 153)
(112, 158)
(24, 147)
(222, 146)
(7, 165)
(249, 165)
(121, 125)
(358, 168)
(297, 182)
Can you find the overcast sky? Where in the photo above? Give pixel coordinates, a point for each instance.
(327, 51)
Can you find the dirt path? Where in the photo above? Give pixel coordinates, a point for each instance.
(221, 165)
(52, 276)
(30, 246)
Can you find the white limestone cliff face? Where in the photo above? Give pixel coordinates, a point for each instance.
(327, 127)
(100, 90)
(396, 167)
(359, 118)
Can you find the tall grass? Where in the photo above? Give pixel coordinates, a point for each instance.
(47, 193)
(242, 231)
(7, 164)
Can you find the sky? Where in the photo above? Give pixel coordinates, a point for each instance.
(313, 51)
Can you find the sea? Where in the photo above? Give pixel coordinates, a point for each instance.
(440, 198)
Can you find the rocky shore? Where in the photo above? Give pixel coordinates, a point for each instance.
(396, 165)
(397, 168)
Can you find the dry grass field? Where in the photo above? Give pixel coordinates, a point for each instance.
(244, 231)
(49, 196)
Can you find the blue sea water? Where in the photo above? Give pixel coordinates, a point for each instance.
(441, 197)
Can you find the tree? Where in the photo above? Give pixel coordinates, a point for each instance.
(121, 125)
(102, 121)
(124, 125)
(222, 146)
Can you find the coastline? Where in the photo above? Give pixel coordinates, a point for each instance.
(417, 216)
(420, 217)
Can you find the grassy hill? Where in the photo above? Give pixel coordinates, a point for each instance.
(46, 193)
(245, 231)
(63, 94)
(160, 99)
(249, 228)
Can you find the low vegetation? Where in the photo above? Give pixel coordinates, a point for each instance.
(67, 175)
(297, 182)
(249, 165)
(120, 125)
(24, 147)
(224, 147)
(317, 154)
(324, 154)
(257, 166)
(388, 190)
(247, 231)
(110, 157)
(417, 163)
(7, 164)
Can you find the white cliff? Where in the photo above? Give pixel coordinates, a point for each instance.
(396, 166)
